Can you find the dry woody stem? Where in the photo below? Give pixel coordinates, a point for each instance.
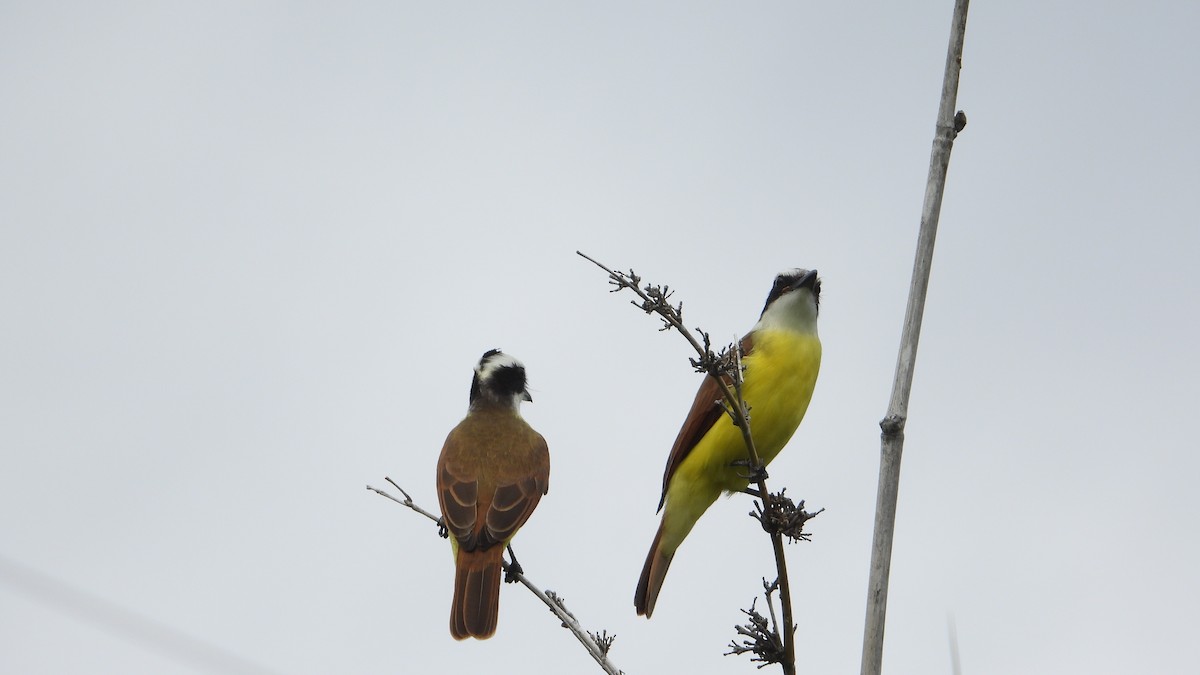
(759, 636)
(949, 124)
(597, 646)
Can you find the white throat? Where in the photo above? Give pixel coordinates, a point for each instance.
(794, 312)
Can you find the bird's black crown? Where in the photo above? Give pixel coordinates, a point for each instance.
(498, 377)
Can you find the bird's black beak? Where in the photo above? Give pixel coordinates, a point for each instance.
(808, 280)
(526, 397)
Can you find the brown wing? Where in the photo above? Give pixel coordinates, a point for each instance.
(512, 503)
(479, 517)
(458, 495)
(706, 410)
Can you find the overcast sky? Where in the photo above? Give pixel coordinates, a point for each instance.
(250, 252)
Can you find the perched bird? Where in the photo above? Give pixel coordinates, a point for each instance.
(782, 355)
(493, 470)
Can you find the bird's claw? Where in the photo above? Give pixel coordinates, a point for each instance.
(513, 570)
(754, 474)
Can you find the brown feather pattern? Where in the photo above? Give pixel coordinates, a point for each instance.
(705, 411)
(493, 470)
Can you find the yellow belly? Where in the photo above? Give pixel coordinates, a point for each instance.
(781, 373)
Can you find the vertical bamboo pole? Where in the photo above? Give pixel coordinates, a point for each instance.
(892, 439)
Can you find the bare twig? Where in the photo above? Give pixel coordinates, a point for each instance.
(786, 518)
(892, 442)
(598, 651)
(605, 641)
(761, 637)
(407, 501)
(726, 369)
(555, 603)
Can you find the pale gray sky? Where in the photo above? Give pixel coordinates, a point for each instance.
(249, 253)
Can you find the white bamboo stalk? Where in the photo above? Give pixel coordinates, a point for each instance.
(892, 441)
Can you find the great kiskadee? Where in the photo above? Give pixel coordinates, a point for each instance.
(493, 470)
(781, 357)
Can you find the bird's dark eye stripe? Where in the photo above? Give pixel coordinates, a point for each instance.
(508, 378)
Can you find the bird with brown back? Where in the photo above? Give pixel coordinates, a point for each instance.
(493, 470)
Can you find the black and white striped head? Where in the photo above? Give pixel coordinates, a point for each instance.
(793, 303)
(499, 378)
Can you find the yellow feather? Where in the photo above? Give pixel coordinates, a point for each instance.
(781, 366)
(781, 374)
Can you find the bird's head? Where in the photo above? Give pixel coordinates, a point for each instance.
(793, 303)
(499, 379)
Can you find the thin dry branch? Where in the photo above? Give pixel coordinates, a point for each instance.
(725, 368)
(598, 649)
(719, 366)
(407, 501)
(760, 637)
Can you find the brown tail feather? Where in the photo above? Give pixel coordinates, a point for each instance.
(652, 577)
(476, 594)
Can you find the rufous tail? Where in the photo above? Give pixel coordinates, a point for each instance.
(476, 594)
(653, 574)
